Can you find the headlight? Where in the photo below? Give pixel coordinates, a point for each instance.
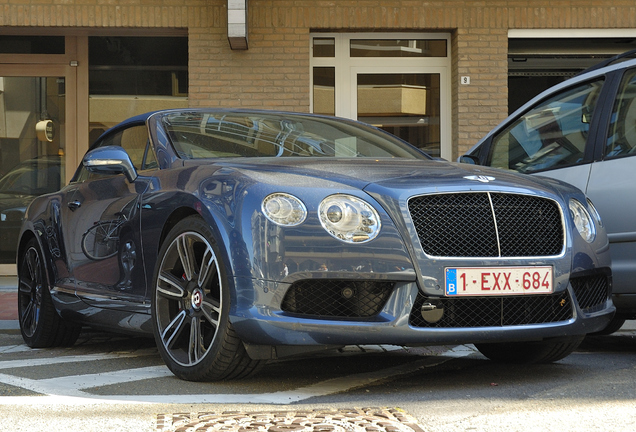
(595, 212)
(349, 219)
(284, 209)
(583, 221)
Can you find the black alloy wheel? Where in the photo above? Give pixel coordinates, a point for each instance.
(190, 308)
(40, 324)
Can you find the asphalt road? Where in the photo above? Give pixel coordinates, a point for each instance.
(113, 383)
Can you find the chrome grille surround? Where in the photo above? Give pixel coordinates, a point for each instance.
(488, 225)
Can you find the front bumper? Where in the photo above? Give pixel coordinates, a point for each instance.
(261, 320)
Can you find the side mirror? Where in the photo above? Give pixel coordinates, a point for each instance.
(110, 160)
(469, 159)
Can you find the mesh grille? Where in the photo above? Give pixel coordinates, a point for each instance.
(492, 311)
(591, 291)
(462, 225)
(337, 298)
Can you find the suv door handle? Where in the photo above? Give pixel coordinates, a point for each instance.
(74, 205)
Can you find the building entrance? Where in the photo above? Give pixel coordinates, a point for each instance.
(33, 144)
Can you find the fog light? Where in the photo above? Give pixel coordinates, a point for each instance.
(431, 312)
(347, 292)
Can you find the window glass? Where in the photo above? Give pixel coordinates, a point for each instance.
(10, 44)
(134, 75)
(398, 48)
(406, 105)
(134, 141)
(622, 131)
(325, 90)
(552, 134)
(324, 47)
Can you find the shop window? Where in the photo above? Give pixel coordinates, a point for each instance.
(10, 44)
(134, 75)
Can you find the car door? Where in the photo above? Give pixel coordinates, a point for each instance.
(612, 184)
(556, 134)
(103, 231)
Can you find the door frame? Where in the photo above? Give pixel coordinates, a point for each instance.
(346, 90)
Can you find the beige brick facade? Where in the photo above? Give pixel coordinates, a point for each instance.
(274, 72)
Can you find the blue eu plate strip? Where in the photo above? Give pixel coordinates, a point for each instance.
(451, 281)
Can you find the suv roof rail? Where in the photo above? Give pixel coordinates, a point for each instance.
(623, 56)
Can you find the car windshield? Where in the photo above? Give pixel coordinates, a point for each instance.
(236, 134)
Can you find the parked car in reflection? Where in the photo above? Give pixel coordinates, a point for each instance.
(18, 188)
(235, 237)
(582, 131)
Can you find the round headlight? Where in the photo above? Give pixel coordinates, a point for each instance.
(284, 209)
(348, 218)
(583, 221)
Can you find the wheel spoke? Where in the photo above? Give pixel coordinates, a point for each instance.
(170, 287)
(28, 316)
(195, 348)
(207, 266)
(25, 287)
(173, 330)
(186, 254)
(31, 262)
(211, 311)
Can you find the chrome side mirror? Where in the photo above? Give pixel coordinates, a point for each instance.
(110, 160)
(469, 159)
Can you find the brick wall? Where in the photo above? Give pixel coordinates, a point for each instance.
(274, 72)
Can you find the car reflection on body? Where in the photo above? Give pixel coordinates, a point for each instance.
(235, 237)
(18, 188)
(583, 131)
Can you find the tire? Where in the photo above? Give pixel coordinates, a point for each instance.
(191, 301)
(40, 324)
(614, 325)
(530, 352)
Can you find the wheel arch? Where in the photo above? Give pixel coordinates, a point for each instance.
(25, 238)
(217, 228)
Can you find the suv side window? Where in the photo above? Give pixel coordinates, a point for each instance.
(552, 134)
(621, 140)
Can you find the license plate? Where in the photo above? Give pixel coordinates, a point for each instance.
(482, 281)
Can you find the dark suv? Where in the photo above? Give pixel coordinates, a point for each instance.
(583, 131)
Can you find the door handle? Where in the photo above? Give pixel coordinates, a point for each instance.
(74, 205)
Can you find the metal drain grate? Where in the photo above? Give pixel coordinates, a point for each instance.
(341, 420)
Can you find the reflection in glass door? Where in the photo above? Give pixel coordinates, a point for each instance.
(32, 147)
(404, 104)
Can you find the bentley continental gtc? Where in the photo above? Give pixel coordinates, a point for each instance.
(235, 237)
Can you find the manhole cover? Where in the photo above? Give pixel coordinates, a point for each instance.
(340, 420)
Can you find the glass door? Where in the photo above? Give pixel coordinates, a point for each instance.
(34, 143)
(404, 104)
(399, 82)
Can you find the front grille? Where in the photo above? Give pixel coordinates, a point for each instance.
(491, 311)
(337, 298)
(592, 290)
(487, 225)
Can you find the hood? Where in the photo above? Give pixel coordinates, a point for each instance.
(385, 176)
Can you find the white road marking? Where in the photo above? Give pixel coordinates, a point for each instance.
(70, 390)
(10, 364)
(15, 349)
